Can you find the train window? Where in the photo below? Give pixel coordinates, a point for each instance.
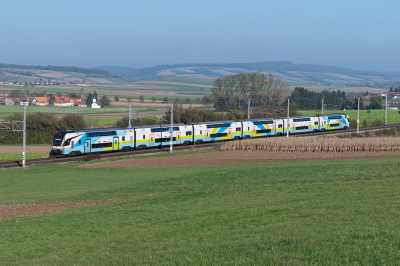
(334, 117)
(79, 142)
(302, 128)
(101, 145)
(324, 122)
(219, 135)
(72, 144)
(280, 126)
(201, 132)
(238, 129)
(248, 128)
(188, 133)
(262, 122)
(131, 139)
(316, 123)
(301, 119)
(123, 138)
(263, 131)
(144, 137)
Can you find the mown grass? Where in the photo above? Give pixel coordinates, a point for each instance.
(17, 156)
(324, 212)
(393, 115)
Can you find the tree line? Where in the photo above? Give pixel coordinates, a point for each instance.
(41, 127)
(233, 92)
(303, 99)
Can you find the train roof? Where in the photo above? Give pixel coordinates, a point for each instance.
(95, 129)
(213, 122)
(259, 119)
(158, 126)
(332, 114)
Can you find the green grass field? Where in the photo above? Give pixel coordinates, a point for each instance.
(317, 212)
(393, 115)
(18, 156)
(6, 110)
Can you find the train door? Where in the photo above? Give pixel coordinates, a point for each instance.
(115, 143)
(207, 135)
(254, 131)
(87, 146)
(229, 133)
(178, 138)
(151, 140)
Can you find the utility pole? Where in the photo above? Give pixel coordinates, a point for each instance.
(322, 104)
(172, 126)
(358, 115)
(24, 135)
(248, 109)
(287, 131)
(130, 125)
(386, 109)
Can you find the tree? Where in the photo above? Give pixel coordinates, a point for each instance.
(165, 99)
(116, 98)
(141, 98)
(187, 100)
(104, 101)
(89, 99)
(391, 89)
(129, 99)
(375, 103)
(153, 99)
(197, 100)
(52, 99)
(95, 95)
(73, 95)
(177, 100)
(16, 93)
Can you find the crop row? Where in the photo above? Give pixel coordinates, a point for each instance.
(316, 144)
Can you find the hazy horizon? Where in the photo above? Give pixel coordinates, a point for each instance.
(359, 35)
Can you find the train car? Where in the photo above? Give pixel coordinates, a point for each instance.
(216, 130)
(303, 124)
(333, 122)
(262, 127)
(76, 142)
(158, 135)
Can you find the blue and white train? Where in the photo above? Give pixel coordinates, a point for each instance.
(85, 141)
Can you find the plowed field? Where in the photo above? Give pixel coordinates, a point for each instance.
(239, 157)
(11, 149)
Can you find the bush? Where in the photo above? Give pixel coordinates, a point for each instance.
(41, 127)
(377, 123)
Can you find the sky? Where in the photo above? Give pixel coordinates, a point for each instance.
(362, 35)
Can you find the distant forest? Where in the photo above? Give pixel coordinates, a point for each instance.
(101, 72)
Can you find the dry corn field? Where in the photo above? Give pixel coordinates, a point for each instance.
(312, 144)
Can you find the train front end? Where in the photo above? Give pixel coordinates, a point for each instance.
(58, 149)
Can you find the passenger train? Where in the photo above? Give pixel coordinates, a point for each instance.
(85, 141)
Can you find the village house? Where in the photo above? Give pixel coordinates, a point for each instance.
(80, 104)
(42, 101)
(65, 101)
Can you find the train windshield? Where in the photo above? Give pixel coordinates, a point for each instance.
(58, 137)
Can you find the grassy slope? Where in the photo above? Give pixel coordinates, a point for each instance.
(325, 212)
(393, 115)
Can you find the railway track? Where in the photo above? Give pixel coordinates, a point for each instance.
(153, 151)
